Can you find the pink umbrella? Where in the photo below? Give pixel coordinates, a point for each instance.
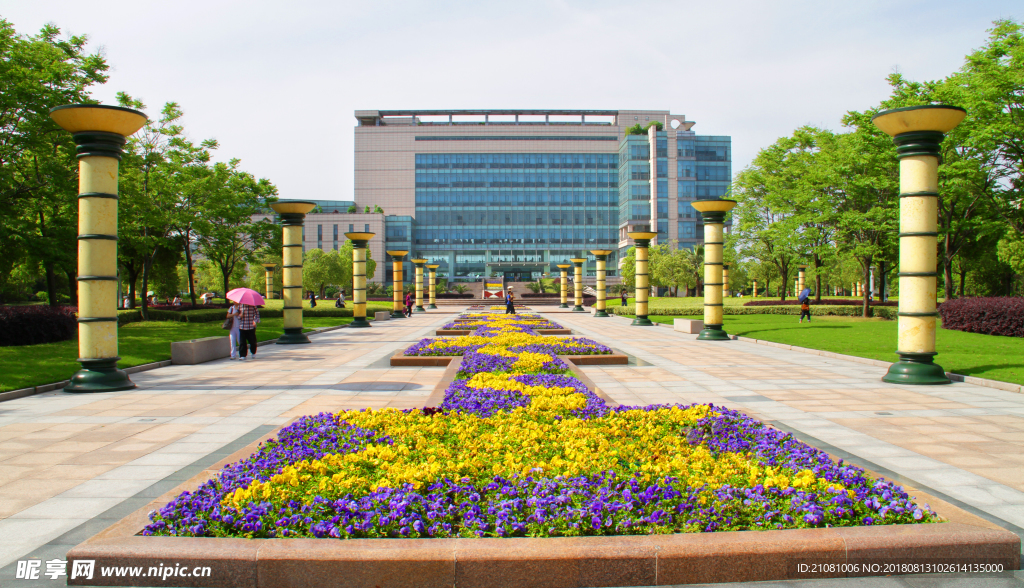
(246, 296)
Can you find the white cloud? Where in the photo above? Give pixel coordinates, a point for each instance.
(277, 83)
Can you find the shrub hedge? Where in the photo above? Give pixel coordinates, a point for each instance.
(824, 302)
(989, 316)
(35, 324)
(879, 312)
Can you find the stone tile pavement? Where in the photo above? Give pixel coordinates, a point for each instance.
(72, 464)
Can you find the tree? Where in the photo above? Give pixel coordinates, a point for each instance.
(38, 169)
(628, 270)
(322, 268)
(231, 241)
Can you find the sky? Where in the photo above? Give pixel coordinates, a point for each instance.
(277, 83)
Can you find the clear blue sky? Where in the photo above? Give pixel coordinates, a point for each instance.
(277, 82)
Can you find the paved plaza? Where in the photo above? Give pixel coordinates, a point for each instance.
(70, 465)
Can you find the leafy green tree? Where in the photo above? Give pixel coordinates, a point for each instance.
(38, 168)
(323, 268)
(628, 270)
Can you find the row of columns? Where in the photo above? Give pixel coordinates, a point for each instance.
(100, 133)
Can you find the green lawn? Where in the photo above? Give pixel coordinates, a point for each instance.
(970, 354)
(138, 343)
(697, 302)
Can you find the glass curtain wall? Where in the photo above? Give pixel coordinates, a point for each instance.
(514, 207)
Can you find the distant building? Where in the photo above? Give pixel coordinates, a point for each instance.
(516, 192)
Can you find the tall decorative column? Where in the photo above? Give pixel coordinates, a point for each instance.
(918, 131)
(359, 242)
(713, 212)
(293, 214)
(564, 284)
(755, 288)
(725, 280)
(268, 268)
(432, 283)
(100, 133)
(577, 262)
(801, 279)
(398, 286)
(419, 284)
(642, 241)
(601, 255)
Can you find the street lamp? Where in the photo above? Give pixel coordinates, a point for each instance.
(268, 269)
(100, 133)
(565, 286)
(293, 215)
(918, 132)
(642, 241)
(433, 285)
(419, 284)
(713, 212)
(577, 262)
(359, 242)
(398, 286)
(601, 255)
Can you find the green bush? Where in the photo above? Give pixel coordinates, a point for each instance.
(128, 316)
(886, 312)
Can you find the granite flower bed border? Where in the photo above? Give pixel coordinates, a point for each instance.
(644, 560)
(462, 332)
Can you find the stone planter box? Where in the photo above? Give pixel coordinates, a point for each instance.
(382, 315)
(691, 326)
(200, 350)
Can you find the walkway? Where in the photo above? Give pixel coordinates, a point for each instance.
(70, 465)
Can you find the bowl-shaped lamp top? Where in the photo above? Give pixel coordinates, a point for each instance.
(434, 266)
(269, 265)
(600, 252)
(578, 260)
(418, 261)
(713, 205)
(564, 265)
(642, 235)
(292, 207)
(930, 117)
(77, 118)
(359, 236)
(397, 253)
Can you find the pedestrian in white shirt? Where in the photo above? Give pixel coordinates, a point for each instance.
(233, 334)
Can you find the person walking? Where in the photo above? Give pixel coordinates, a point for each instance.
(312, 299)
(805, 304)
(408, 304)
(510, 302)
(248, 318)
(233, 333)
(625, 299)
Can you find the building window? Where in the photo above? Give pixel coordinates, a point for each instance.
(319, 236)
(366, 228)
(350, 229)
(335, 237)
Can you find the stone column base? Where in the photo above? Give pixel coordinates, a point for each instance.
(713, 333)
(916, 368)
(293, 336)
(99, 375)
(642, 321)
(359, 323)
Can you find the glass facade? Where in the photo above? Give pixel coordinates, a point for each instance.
(477, 209)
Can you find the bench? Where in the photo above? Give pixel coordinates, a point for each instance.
(691, 326)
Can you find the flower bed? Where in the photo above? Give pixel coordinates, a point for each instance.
(521, 447)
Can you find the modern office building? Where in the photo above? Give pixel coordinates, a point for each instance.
(516, 192)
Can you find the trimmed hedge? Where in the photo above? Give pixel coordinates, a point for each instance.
(35, 324)
(1002, 316)
(824, 302)
(879, 312)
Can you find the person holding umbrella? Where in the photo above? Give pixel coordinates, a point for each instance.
(805, 304)
(248, 318)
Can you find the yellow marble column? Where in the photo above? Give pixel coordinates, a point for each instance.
(359, 243)
(433, 285)
(398, 285)
(293, 215)
(801, 279)
(755, 288)
(578, 282)
(713, 212)
(642, 242)
(268, 268)
(725, 280)
(419, 284)
(100, 133)
(601, 256)
(564, 284)
(918, 132)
